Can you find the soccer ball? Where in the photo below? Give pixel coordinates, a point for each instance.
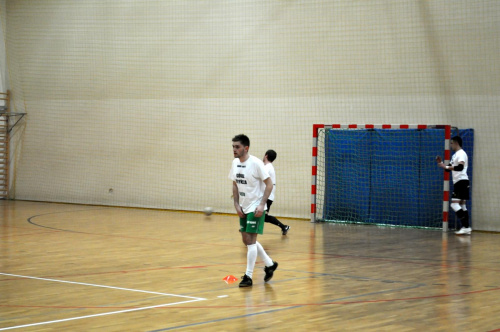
(208, 211)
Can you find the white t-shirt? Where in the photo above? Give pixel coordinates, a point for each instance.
(249, 177)
(272, 174)
(458, 157)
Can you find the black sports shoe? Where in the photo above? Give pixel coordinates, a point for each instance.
(285, 230)
(246, 281)
(270, 271)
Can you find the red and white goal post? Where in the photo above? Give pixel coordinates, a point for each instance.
(343, 192)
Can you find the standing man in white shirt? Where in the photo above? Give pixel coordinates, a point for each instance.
(458, 168)
(269, 157)
(252, 186)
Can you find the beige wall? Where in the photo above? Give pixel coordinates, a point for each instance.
(144, 96)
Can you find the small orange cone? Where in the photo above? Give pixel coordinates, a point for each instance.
(229, 279)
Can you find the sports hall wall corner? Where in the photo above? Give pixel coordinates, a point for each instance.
(135, 103)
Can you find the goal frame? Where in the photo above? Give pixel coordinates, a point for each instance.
(447, 155)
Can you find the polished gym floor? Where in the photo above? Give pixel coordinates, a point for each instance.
(67, 267)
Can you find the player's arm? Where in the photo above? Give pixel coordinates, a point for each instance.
(236, 200)
(440, 163)
(457, 168)
(269, 188)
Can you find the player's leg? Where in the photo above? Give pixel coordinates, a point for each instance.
(270, 265)
(273, 220)
(249, 227)
(464, 196)
(253, 227)
(455, 205)
(460, 194)
(465, 220)
(268, 218)
(249, 240)
(263, 254)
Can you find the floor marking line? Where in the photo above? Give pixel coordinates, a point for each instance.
(192, 299)
(96, 315)
(102, 286)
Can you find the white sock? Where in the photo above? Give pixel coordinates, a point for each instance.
(251, 258)
(262, 253)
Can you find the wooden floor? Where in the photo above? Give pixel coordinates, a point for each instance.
(88, 268)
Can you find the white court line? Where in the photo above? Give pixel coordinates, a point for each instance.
(194, 299)
(95, 285)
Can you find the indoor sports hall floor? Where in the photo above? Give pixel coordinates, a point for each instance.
(70, 267)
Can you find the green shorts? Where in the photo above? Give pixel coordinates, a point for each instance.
(252, 224)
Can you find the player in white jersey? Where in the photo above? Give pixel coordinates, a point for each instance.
(269, 157)
(458, 168)
(251, 189)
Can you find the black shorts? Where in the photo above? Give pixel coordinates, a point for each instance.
(269, 202)
(461, 190)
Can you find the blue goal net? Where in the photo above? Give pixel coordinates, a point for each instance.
(380, 176)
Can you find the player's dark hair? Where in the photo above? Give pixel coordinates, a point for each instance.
(271, 155)
(243, 139)
(457, 139)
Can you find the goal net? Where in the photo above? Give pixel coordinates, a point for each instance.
(380, 174)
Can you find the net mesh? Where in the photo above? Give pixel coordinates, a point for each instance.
(380, 176)
(143, 97)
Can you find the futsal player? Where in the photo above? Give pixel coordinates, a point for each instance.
(269, 157)
(458, 168)
(251, 189)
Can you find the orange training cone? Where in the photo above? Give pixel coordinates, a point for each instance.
(229, 279)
